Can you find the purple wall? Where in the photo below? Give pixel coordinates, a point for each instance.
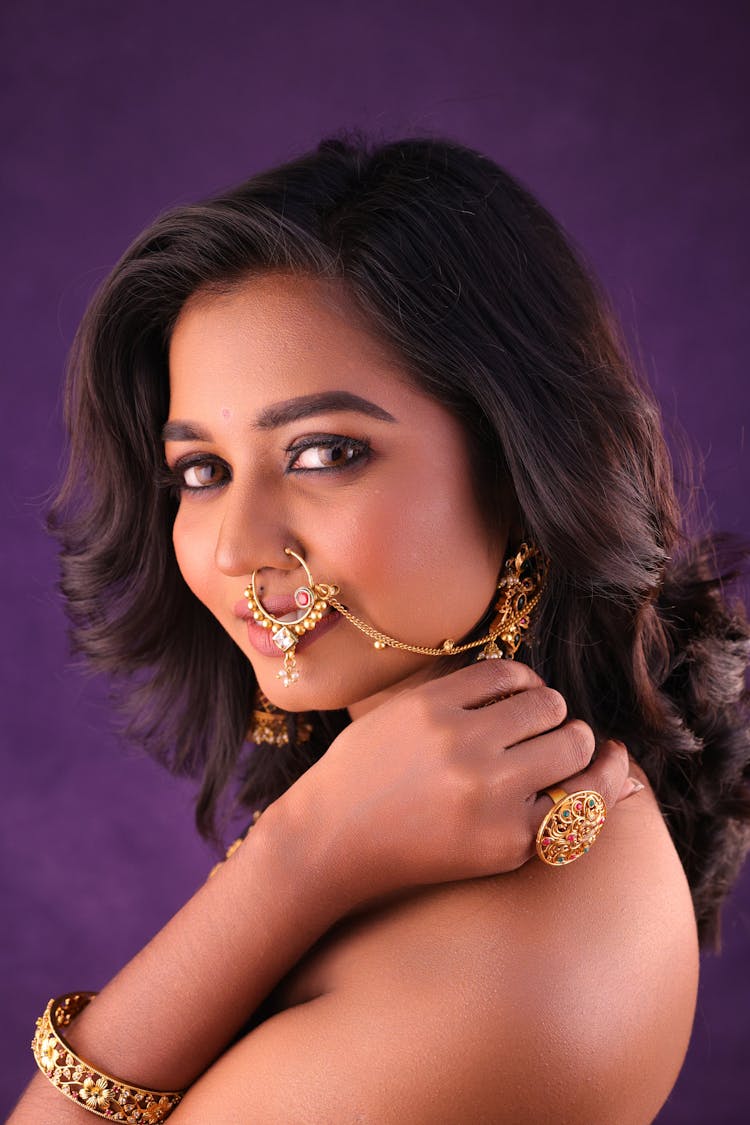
(627, 120)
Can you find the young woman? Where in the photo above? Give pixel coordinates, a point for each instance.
(335, 435)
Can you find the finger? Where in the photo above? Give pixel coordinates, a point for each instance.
(512, 721)
(607, 775)
(533, 765)
(632, 785)
(485, 682)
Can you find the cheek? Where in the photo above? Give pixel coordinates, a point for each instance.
(194, 552)
(420, 553)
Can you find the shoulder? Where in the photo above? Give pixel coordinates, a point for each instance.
(544, 994)
(585, 974)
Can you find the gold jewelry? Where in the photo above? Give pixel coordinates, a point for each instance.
(522, 586)
(271, 725)
(83, 1083)
(312, 599)
(571, 826)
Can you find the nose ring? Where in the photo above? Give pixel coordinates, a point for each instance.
(287, 631)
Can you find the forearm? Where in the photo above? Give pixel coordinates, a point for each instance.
(173, 1009)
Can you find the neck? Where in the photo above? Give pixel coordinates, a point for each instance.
(421, 676)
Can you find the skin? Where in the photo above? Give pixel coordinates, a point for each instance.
(403, 980)
(399, 530)
(536, 995)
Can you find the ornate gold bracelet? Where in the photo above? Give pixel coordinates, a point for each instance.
(88, 1087)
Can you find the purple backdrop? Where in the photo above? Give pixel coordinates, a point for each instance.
(629, 122)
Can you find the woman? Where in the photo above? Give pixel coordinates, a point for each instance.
(335, 435)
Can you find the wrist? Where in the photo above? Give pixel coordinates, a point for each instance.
(303, 845)
(211, 966)
(331, 840)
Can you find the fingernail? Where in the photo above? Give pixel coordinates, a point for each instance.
(633, 786)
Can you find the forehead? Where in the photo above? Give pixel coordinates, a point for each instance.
(277, 328)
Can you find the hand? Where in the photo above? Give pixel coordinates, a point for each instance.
(443, 781)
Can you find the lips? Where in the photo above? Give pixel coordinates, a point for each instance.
(281, 606)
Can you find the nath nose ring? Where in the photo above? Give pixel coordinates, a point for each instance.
(312, 600)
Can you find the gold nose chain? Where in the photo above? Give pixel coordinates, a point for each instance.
(521, 586)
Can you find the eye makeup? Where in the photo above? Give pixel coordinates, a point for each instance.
(342, 453)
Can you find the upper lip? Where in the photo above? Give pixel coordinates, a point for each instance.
(276, 604)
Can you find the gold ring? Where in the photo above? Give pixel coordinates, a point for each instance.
(571, 826)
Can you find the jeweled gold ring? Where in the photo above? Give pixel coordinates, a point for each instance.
(571, 826)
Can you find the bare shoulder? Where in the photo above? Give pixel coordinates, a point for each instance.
(547, 994)
(585, 975)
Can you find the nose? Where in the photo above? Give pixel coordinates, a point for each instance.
(252, 537)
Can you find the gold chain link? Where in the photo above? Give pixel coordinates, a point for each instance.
(448, 647)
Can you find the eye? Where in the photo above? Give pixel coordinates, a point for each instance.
(197, 475)
(326, 454)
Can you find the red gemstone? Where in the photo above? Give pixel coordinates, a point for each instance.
(572, 837)
(546, 840)
(579, 806)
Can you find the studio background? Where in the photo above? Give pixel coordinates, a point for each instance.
(629, 121)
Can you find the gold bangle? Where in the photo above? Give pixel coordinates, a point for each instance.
(85, 1084)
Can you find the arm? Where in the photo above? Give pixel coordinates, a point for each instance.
(172, 1009)
(418, 791)
(542, 995)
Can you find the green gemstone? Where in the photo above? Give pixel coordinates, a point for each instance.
(566, 813)
(560, 860)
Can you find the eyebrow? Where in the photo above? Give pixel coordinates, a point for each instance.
(290, 410)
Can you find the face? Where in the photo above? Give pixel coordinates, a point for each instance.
(291, 426)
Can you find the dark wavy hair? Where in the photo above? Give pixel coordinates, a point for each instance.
(478, 291)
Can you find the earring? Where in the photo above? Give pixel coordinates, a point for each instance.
(271, 725)
(522, 586)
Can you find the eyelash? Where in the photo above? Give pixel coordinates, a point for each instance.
(174, 477)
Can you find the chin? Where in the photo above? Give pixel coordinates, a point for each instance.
(332, 685)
